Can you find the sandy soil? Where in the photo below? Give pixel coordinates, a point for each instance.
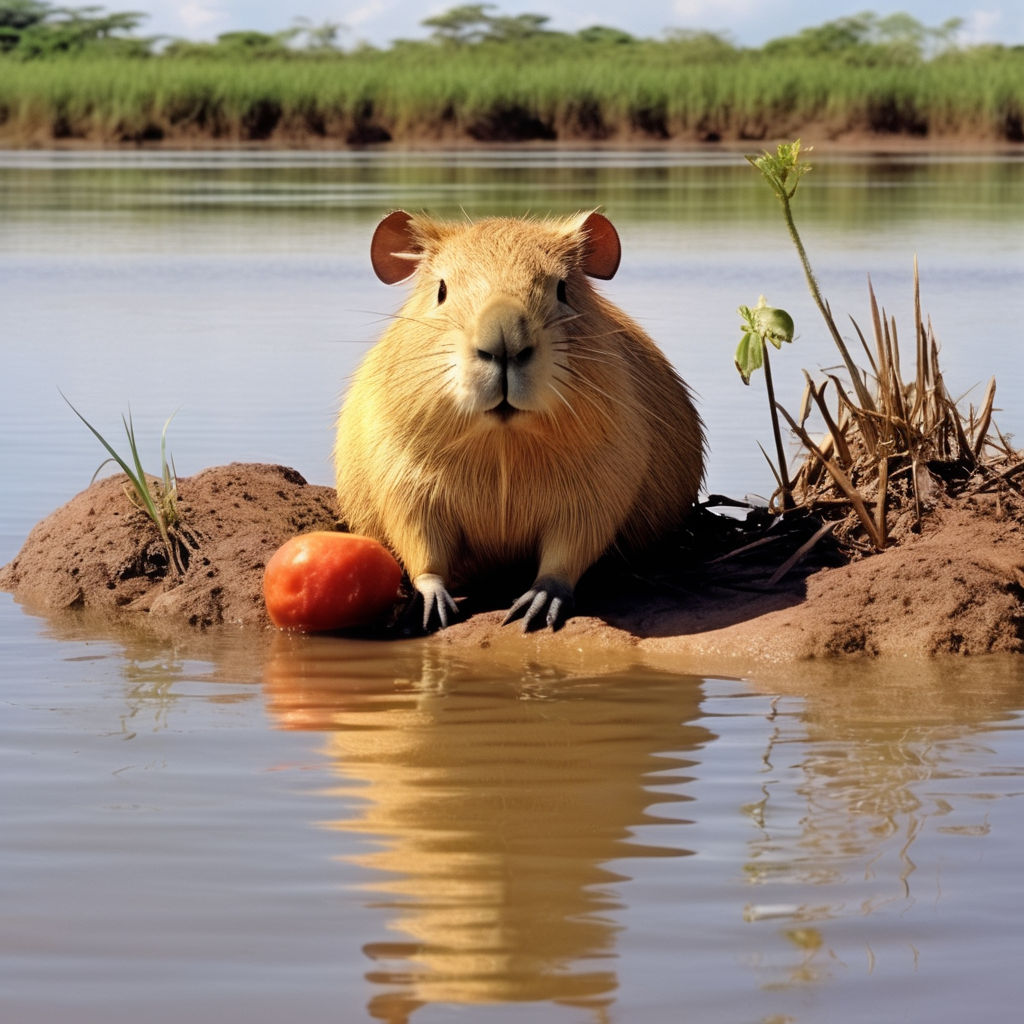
(957, 588)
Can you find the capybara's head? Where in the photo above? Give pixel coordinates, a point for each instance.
(496, 303)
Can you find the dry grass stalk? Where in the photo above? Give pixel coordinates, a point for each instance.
(892, 445)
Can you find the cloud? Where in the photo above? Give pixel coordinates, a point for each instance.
(367, 12)
(196, 16)
(708, 11)
(981, 27)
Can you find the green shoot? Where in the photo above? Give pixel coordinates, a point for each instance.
(782, 171)
(762, 325)
(157, 500)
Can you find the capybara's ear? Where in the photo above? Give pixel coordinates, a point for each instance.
(602, 250)
(395, 250)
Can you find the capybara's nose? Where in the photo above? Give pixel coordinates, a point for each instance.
(521, 358)
(503, 332)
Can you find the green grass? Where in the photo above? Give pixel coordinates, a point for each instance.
(159, 500)
(484, 92)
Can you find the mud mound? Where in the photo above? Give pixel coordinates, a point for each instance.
(956, 588)
(98, 552)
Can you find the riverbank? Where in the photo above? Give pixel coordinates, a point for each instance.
(957, 588)
(816, 137)
(485, 95)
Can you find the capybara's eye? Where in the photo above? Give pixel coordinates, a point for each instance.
(442, 292)
(561, 295)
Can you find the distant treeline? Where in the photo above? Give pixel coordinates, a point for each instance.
(80, 74)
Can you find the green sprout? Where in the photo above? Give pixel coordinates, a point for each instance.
(759, 326)
(157, 500)
(782, 170)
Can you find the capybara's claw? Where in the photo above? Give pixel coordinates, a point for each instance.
(438, 604)
(548, 602)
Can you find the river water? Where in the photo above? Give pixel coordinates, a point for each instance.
(236, 827)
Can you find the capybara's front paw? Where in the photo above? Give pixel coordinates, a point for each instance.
(438, 605)
(548, 602)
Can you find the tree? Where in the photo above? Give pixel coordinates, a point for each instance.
(15, 17)
(695, 46)
(834, 37)
(867, 38)
(20, 14)
(319, 38)
(254, 44)
(603, 35)
(468, 23)
(32, 29)
(901, 32)
(515, 29)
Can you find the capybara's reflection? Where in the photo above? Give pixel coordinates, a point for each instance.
(500, 799)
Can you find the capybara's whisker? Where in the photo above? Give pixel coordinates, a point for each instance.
(565, 401)
(562, 319)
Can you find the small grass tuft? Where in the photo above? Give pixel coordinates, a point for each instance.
(158, 499)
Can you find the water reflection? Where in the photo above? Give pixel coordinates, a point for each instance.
(158, 668)
(501, 832)
(653, 186)
(497, 798)
(871, 785)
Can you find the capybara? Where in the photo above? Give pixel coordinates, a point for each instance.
(510, 412)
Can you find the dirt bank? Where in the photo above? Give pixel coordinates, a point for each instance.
(99, 553)
(823, 140)
(957, 588)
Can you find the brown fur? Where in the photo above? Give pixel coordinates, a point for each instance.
(608, 445)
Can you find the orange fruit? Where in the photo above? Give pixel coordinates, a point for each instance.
(321, 581)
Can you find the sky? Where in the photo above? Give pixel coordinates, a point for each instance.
(744, 22)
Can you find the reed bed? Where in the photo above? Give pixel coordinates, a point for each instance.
(895, 440)
(495, 93)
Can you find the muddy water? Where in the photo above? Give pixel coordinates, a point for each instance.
(237, 827)
(306, 828)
